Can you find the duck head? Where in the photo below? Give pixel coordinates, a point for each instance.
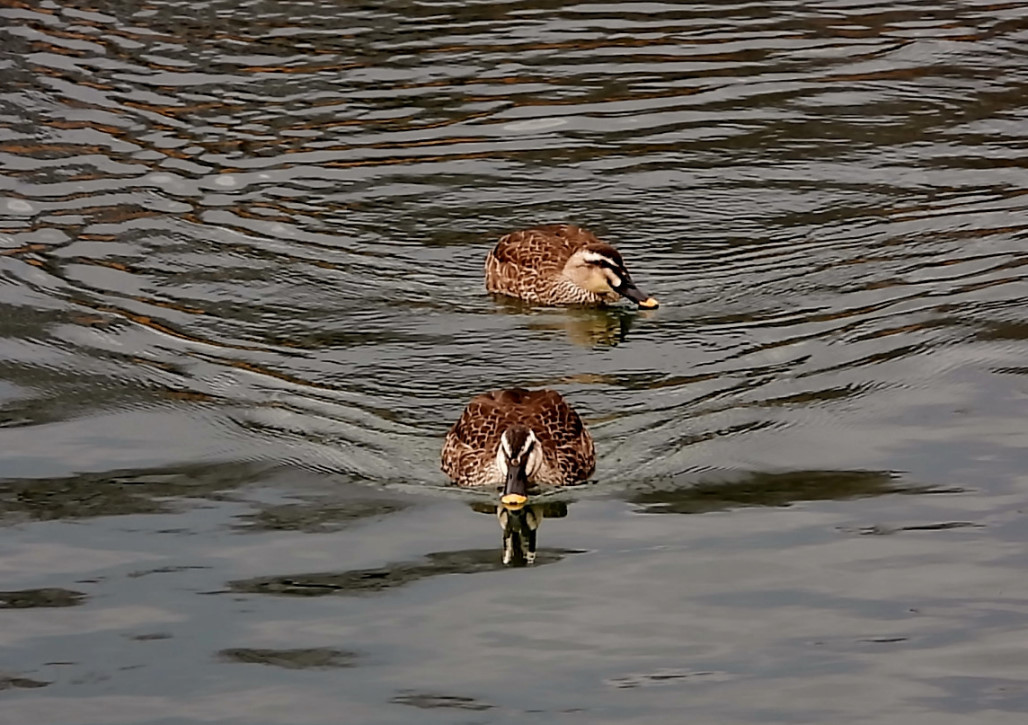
(518, 458)
(598, 268)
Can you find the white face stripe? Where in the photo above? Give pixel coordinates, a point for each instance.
(501, 461)
(611, 274)
(535, 458)
(530, 440)
(597, 258)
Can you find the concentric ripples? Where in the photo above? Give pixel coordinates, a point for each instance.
(270, 219)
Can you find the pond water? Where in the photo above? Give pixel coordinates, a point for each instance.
(241, 301)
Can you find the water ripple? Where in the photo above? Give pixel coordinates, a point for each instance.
(282, 213)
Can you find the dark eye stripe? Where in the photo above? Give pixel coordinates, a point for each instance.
(614, 267)
(619, 274)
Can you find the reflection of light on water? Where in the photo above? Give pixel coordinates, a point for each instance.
(19, 206)
(535, 124)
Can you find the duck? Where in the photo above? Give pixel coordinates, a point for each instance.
(560, 264)
(516, 440)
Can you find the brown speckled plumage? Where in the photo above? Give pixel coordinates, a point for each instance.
(530, 265)
(469, 452)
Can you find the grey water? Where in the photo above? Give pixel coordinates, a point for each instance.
(241, 301)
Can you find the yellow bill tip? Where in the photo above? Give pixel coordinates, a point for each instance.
(649, 303)
(514, 500)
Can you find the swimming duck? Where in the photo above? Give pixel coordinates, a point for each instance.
(560, 264)
(518, 439)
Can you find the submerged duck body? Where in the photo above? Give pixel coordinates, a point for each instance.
(518, 439)
(560, 264)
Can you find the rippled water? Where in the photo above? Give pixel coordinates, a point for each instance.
(241, 302)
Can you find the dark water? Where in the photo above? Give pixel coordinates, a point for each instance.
(241, 301)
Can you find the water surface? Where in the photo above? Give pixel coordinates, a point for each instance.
(241, 301)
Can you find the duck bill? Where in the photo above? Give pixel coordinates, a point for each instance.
(630, 291)
(515, 488)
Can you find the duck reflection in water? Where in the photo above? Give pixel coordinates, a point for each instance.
(592, 328)
(520, 525)
(589, 327)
